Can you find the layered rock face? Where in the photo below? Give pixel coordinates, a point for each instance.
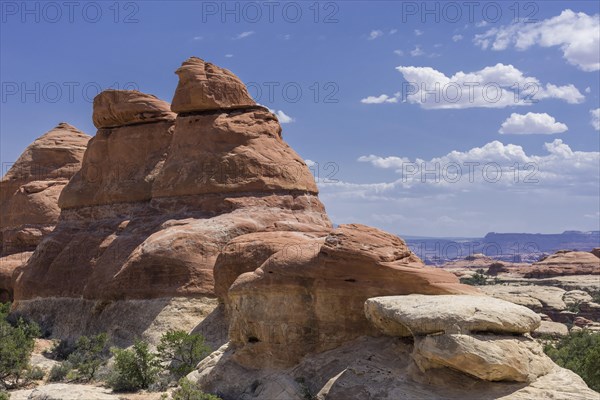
(159, 196)
(308, 296)
(29, 197)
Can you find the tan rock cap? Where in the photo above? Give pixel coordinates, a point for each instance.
(113, 108)
(204, 86)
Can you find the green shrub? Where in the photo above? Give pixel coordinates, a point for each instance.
(59, 372)
(34, 374)
(190, 391)
(134, 369)
(579, 352)
(574, 307)
(180, 352)
(478, 279)
(62, 350)
(595, 296)
(16, 344)
(4, 396)
(89, 355)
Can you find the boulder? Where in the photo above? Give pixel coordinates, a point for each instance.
(487, 357)
(415, 315)
(545, 299)
(311, 299)
(114, 108)
(550, 328)
(204, 86)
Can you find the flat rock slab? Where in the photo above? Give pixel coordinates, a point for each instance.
(64, 391)
(550, 328)
(423, 314)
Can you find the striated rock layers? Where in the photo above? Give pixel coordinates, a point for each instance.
(29, 196)
(159, 195)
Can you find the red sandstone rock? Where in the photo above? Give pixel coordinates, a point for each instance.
(29, 191)
(144, 218)
(312, 299)
(237, 152)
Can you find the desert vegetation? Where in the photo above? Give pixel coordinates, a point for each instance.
(17, 338)
(580, 352)
(86, 359)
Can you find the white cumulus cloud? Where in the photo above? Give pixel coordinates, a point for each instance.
(384, 98)
(595, 113)
(495, 187)
(457, 38)
(244, 35)
(416, 52)
(577, 35)
(532, 123)
(495, 163)
(282, 117)
(375, 34)
(495, 86)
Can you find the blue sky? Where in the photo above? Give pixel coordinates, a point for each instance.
(343, 76)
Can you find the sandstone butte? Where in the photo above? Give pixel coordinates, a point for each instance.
(198, 216)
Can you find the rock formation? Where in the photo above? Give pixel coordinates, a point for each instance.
(29, 196)
(470, 334)
(29, 191)
(159, 195)
(309, 298)
(459, 361)
(564, 263)
(205, 86)
(199, 216)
